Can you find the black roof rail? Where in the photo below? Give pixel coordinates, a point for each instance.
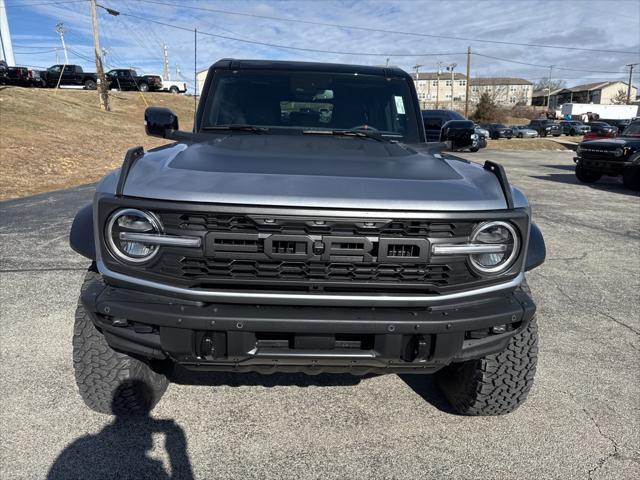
(498, 171)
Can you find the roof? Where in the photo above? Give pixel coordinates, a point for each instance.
(435, 76)
(499, 81)
(593, 86)
(233, 63)
(543, 92)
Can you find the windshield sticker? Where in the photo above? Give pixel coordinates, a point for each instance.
(399, 104)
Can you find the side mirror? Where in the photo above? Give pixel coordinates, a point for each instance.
(459, 134)
(160, 122)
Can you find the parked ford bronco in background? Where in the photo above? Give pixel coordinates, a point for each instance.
(305, 226)
(612, 156)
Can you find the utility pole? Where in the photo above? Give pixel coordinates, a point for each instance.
(195, 76)
(61, 31)
(165, 69)
(450, 68)
(468, 88)
(102, 86)
(438, 71)
(417, 69)
(630, 65)
(549, 89)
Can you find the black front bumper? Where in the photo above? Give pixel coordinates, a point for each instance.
(270, 338)
(604, 166)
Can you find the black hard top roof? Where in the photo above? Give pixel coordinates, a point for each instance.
(233, 63)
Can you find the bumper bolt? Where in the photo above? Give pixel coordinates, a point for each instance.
(213, 322)
(239, 325)
(107, 309)
(179, 320)
(391, 328)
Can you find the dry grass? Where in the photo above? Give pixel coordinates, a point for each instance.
(56, 140)
(526, 144)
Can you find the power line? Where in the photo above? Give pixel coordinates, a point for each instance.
(288, 47)
(380, 30)
(542, 66)
(33, 4)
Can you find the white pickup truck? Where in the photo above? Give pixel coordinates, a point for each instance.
(173, 86)
(611, 112)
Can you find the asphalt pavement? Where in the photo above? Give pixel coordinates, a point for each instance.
(581, 419)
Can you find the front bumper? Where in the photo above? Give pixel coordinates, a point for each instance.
(605, 166)
(312, 339)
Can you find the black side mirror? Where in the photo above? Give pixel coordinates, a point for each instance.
(459, 134)
(160, 122)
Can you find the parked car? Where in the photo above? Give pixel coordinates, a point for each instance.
(367, 250)
(434, 120)
(483, 135)
(69, 76)
(613, 156)
(4, 70)
(20, 76)
(599, 129)
(173, 86)
(498, 130)
(128, 79)
(573, 127)
(619, 124)
(523, 131)
(545, 127)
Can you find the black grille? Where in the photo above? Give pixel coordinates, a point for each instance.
(206, 268)
(260, 252)
(308, 226)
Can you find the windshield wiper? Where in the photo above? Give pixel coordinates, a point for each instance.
(237, 127)
(351, 133)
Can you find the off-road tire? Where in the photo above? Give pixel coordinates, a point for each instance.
(174, 89)
(90, 85)
(474, 149)
(631, 178)
(495, 384)
(109, 381)
(587, 176)
(143, 87)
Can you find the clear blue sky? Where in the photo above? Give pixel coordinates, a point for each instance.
(597, 24)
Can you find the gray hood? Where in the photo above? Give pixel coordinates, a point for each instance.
(313, 171)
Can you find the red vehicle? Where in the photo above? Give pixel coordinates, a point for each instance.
(600, 130)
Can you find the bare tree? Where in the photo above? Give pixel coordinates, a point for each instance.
(544, 83)
(620, 98)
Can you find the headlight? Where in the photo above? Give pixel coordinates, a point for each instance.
(618, 152)
(129, 220)
(501, 236)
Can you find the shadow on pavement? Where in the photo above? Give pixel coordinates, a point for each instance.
(606, 184)
(427, 388)
(186, 377)
(569, 168)
(121, 450)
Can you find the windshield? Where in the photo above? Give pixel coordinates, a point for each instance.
(633, 130)
(302, 101)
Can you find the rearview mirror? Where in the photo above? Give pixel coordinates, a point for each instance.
(160, 122)
(459, 134)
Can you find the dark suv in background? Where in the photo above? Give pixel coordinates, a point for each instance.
(434, 120)
(573, 127)
(497, 131)
(545, 127)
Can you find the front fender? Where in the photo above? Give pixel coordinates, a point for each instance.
(81, 237)
(536, 251)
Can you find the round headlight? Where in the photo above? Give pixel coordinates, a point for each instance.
(500, 234)
(618, 152)
(130, 220)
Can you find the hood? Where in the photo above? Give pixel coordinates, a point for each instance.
(607, 143)
(313, 171)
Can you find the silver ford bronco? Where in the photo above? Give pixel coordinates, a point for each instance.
(305, 225)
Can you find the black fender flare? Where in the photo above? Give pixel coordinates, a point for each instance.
(536, 250)
(81, 237)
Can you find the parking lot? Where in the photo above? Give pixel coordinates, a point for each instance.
(581, 419)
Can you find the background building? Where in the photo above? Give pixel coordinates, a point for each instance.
(435, 90)
(605, 93)
(507, 91)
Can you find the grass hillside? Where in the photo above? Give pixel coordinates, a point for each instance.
(51, 140)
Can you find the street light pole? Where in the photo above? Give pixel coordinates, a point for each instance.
(630, 65)
(549, 89)
(61, 31)
(450, 68)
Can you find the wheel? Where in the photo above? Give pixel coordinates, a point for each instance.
(143, 87)
(587, 176)
(497, 383)
(557, 134)
(109, 381)
(89, 85)
(631, 178)
(543, 134)
(174, 89)
(520, 135)
(474, 149)
(573, 132)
